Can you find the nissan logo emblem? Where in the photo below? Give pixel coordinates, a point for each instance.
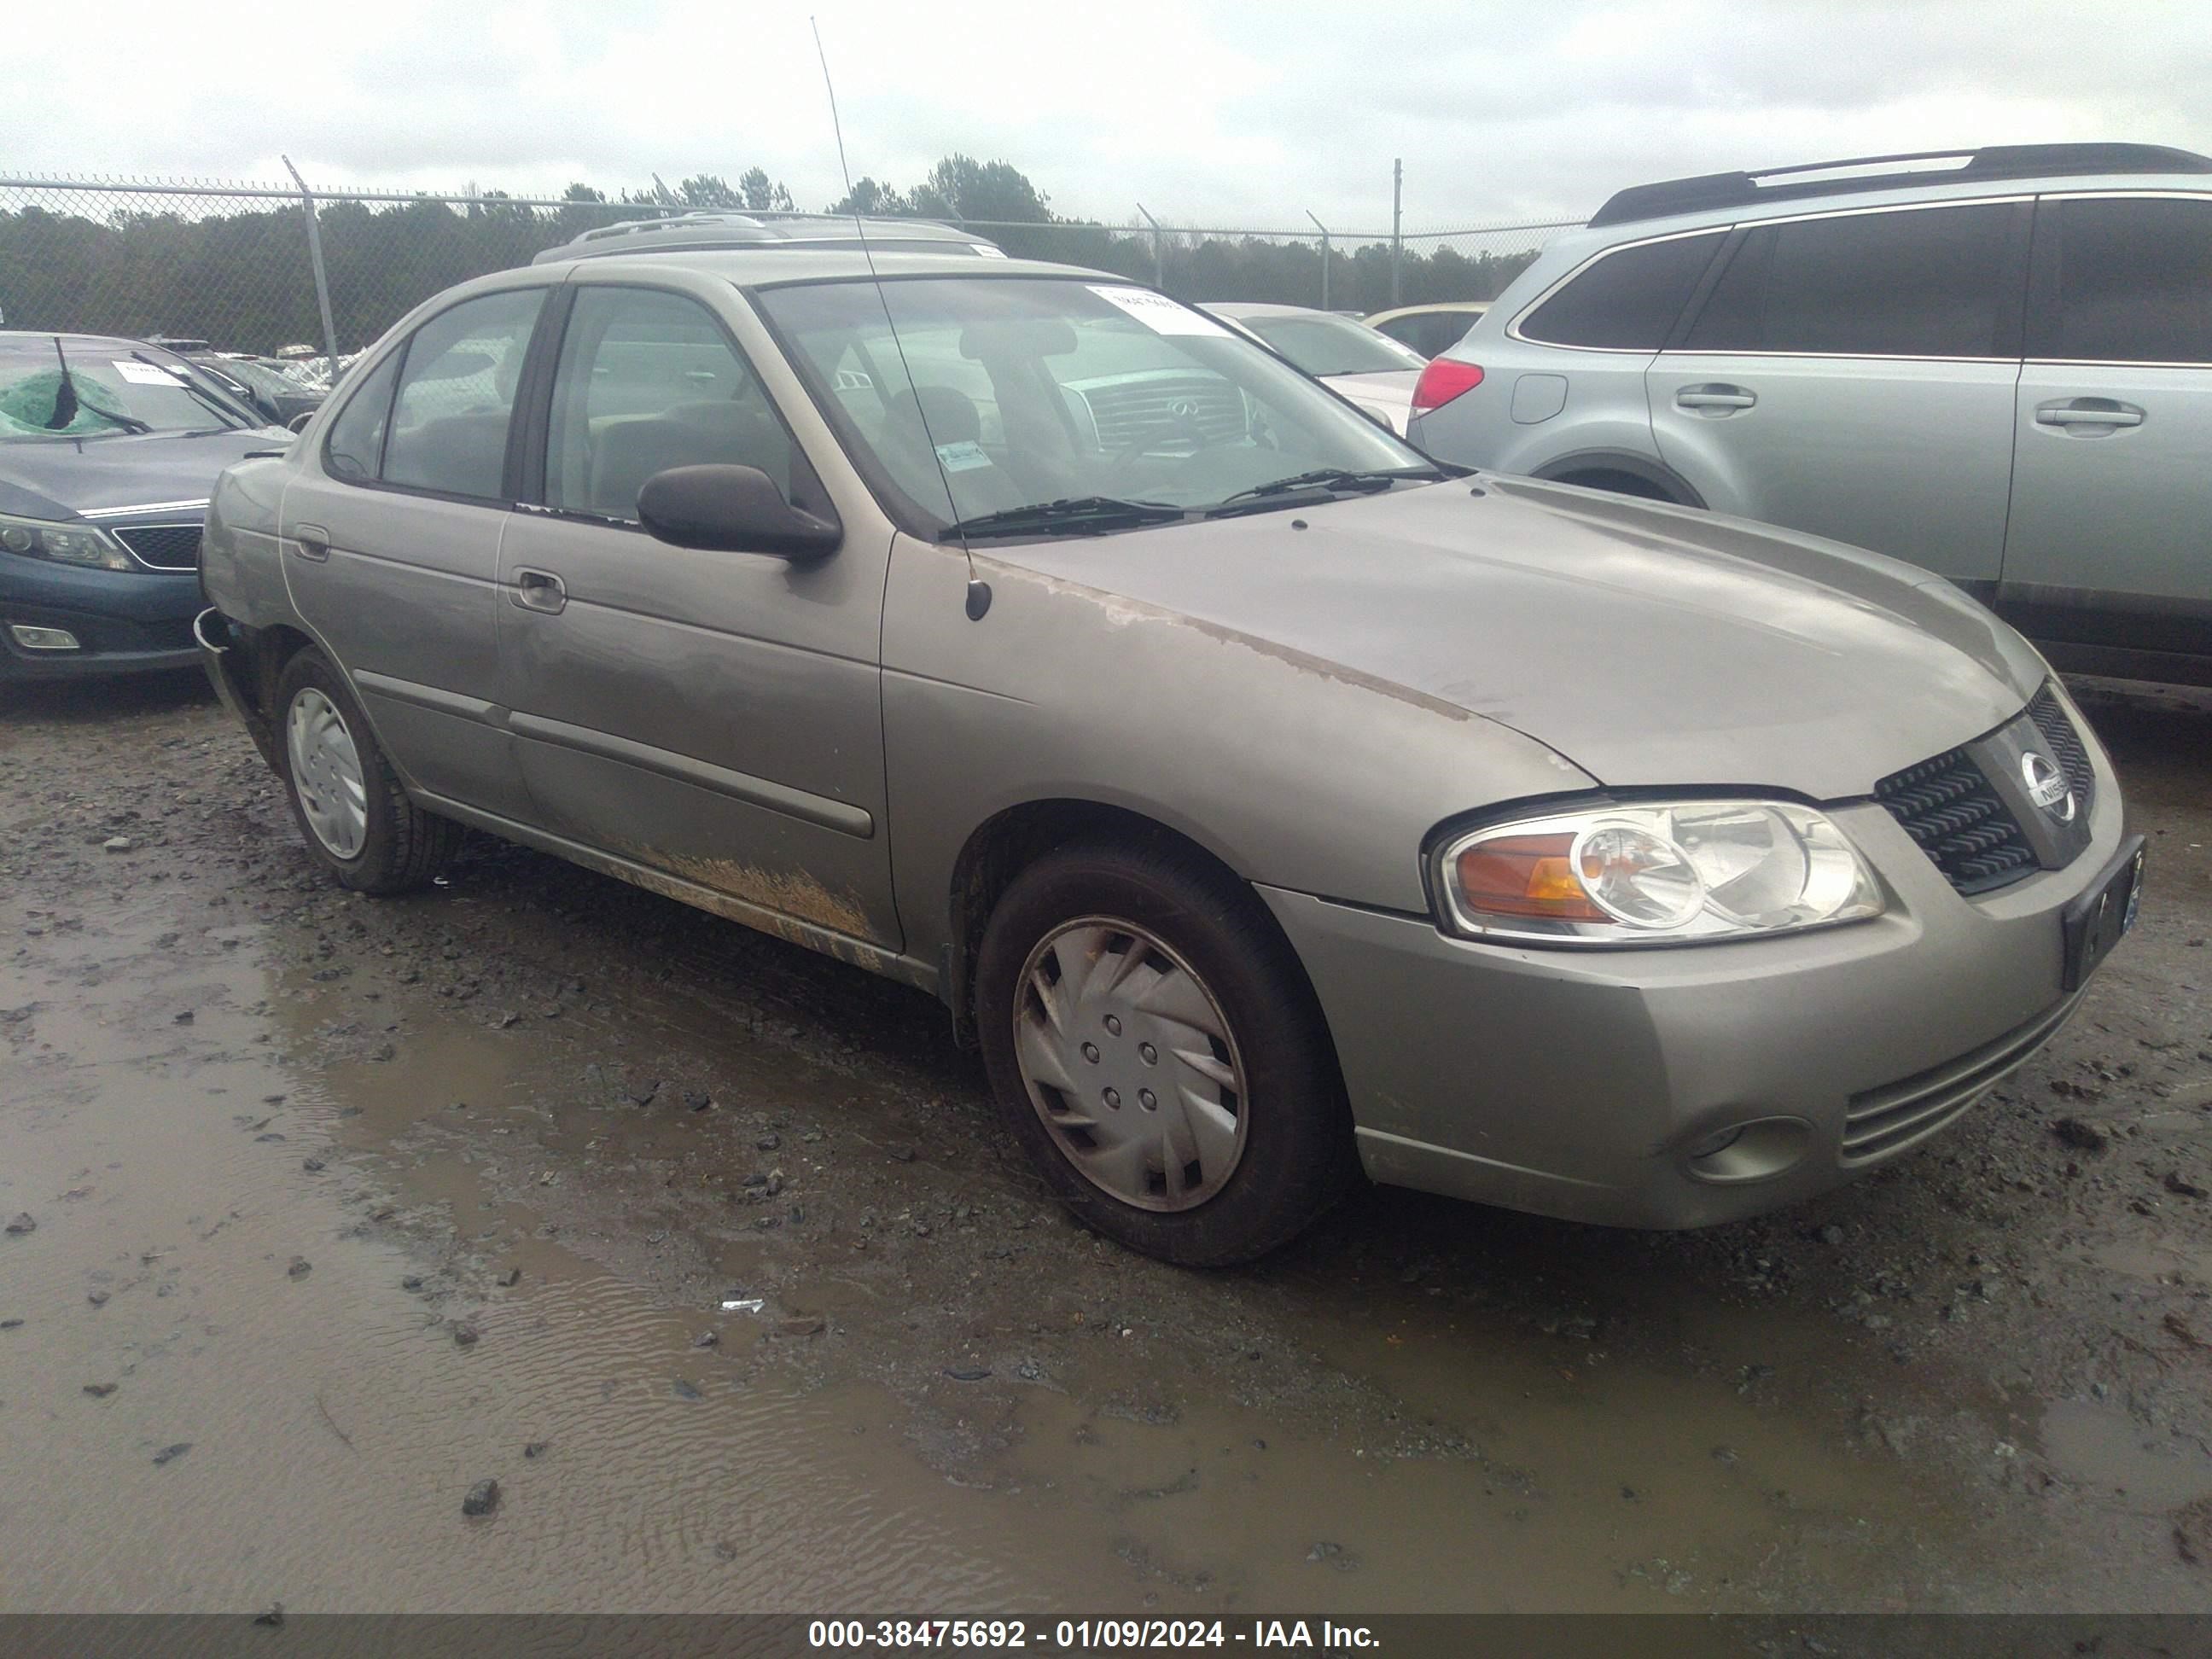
(2047, 786)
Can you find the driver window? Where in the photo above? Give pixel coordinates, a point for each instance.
(647, 381)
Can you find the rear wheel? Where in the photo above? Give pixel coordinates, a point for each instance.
(1156, 1051)
(357, 820)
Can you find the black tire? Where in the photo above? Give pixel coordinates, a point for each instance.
(1297, 1157)
(404, 847)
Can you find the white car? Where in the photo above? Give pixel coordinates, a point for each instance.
(1371, 369)
(1431, 329)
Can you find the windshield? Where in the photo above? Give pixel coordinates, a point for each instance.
(1321, 344)
(112, 387)
(1031, 391)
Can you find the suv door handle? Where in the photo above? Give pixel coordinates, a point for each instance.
(2089, 411)
(1721, 399)
(538, 590)
(311, 541)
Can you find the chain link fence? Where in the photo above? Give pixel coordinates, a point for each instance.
(236, 265)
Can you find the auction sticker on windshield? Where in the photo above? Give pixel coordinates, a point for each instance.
(1157, 311)
(144, 373)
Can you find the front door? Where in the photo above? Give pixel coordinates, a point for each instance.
(713, 715)
(391, 539)
(2109, 546)
(1851, 374)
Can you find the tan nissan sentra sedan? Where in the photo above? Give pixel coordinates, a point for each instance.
(1269, 802)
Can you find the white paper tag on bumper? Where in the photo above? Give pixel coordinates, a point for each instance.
(1157, 311)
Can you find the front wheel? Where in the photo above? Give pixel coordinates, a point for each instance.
(1156, 1049)
(348, 802)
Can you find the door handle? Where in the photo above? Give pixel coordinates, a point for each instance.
(311, 541)
(2089, 411)
(538, 590)
(1721, 399)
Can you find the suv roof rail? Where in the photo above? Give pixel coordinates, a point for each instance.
(1720, 190)
(700, 231)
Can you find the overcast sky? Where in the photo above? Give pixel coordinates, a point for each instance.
(1208, 113)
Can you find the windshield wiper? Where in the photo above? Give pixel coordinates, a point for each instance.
(1332, 478)
(68, 405)
(1080, 515)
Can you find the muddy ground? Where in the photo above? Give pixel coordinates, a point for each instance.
(706, 1250)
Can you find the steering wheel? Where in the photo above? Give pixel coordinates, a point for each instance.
(1177, 426)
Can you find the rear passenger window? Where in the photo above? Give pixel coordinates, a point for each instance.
(1629, 300)
(647, 381)
(354, 448)
(2134, 282)
(456, 394)
(1927, 282)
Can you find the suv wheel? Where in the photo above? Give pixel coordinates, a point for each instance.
(358, 822)
(1158, 1055)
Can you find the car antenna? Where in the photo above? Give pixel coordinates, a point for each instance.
(979, 591)
(66, 398)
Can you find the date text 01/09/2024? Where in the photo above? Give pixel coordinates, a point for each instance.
(1083, 1635)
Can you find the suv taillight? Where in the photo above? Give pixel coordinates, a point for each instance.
(1443, 379)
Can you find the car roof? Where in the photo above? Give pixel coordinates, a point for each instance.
(2019, 165)
(1263, 308)
(70, 341)
(768, 266)
(699, 231)
(1476, 306)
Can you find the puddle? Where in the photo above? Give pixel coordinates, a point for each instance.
(950, 1398)
(2102, 1447)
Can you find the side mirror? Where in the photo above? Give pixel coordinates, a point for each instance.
(299, 422)
(732, 509)
(1379, 418)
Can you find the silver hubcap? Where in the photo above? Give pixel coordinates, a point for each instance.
(326, 772)
(1130, 1064)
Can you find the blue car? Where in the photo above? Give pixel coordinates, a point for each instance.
(109, 449)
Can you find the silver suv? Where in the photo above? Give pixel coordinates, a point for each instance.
(1268, 802)
(1996, 364)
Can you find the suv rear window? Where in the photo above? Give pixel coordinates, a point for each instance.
(2134, 281)
(1629, 300)
(1919, 282)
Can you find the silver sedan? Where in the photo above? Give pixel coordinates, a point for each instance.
(1270, 804)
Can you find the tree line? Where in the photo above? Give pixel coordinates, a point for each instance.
(242, 279)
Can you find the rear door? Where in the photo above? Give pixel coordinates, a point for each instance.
(391, 541)
(2109, 546)
(1851, 374)
(716, 716)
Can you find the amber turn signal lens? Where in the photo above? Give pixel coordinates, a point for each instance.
(1524, 876)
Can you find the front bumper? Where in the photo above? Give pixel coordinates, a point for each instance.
(126, 620)
(1581, 1083)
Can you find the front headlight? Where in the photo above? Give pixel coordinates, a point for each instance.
(1655, 873)
(64, 544)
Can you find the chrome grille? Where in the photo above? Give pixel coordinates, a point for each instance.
(1886, 1120)
(1160, 407)
(1953, 815)
(164, 546)
(2066, 747)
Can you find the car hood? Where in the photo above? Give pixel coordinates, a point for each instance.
(1648, 645)
(60, 477)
